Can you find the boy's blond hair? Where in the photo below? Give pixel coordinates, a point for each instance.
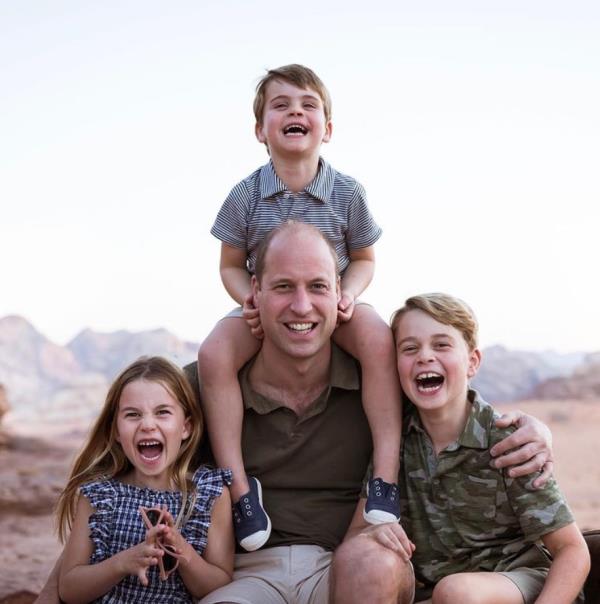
(299, 76)
(447, 310)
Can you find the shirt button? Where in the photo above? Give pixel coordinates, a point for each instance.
(286, 196)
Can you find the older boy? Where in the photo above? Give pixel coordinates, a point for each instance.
(293, 118)
(476, 531)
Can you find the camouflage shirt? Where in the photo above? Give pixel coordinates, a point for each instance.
(463, 515)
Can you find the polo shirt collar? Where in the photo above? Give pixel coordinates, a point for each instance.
(320, 187)
(343, 374)
(474, 434)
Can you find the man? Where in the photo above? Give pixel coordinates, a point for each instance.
(306, 438)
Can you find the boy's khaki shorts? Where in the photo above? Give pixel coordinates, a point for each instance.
(292, 574)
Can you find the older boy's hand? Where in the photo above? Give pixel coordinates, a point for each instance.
(392, 536)
(345, 307)
(528, 450)
(251, 316)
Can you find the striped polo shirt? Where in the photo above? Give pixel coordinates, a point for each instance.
(332, 202)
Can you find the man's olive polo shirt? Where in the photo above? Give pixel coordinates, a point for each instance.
(311, 467)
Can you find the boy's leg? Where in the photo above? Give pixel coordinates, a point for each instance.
(369, 339)
(222, 354)
(478, 588)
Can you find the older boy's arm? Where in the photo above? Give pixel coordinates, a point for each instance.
(234, 274)
(527, 450)
(570, 565)
(49, 593)
(357, 277)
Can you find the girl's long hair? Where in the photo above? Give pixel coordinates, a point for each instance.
(103, 457)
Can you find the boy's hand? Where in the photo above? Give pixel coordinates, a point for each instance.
(527, 450)
(345, 307)
(251, 316)
(392, 536)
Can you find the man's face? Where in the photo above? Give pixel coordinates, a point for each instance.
(293, 122)
(298, 294)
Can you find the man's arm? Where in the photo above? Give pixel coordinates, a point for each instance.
(527, 450)
(49, 593)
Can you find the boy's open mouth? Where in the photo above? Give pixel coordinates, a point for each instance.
(295, 129)
(429, 382)
(150, 449)
(300, 327)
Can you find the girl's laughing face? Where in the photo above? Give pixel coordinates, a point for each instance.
(151, 426)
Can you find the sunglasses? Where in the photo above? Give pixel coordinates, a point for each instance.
(170, 560)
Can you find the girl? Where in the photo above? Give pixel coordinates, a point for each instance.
(142, 527)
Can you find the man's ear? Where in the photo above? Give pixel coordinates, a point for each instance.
(474, 362)
(338, 288)
(255, 285)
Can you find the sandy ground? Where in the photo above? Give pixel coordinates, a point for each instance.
(33, 471)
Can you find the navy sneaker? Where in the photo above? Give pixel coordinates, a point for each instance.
(383, 502)
(250, 521)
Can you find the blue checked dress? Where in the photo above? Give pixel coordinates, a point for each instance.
(116, 525)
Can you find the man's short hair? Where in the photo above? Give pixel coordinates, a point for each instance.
(445, 309)
(291, 226)
(295, 74)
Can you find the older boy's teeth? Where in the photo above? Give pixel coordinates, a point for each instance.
(429, 381)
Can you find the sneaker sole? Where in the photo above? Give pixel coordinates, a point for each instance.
(379, 517)
(256, 540)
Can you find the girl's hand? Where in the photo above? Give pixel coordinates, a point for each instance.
(137, 559)
(251, 316)
(172, 537)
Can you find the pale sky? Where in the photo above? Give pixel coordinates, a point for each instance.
(473, 125)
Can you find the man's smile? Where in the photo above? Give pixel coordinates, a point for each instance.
(301, 327)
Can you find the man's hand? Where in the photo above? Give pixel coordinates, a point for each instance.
(345, 307)
(527, 450)
(392, 536)
(251, 316)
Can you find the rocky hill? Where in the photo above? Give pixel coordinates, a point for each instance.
(62, 384)
(510, 375)
(65, 385)
(582, 384)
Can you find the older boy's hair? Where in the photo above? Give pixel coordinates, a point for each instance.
(300, 76)
(447, 310)
(291, 226)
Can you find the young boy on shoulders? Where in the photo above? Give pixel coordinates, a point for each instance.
(293, 119)
(476, 532)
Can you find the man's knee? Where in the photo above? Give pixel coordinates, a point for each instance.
(360, 562)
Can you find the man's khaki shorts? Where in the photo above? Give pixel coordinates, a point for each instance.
(292, 574)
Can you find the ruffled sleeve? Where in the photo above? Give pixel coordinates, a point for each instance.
(209, 484)
(101, 495)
